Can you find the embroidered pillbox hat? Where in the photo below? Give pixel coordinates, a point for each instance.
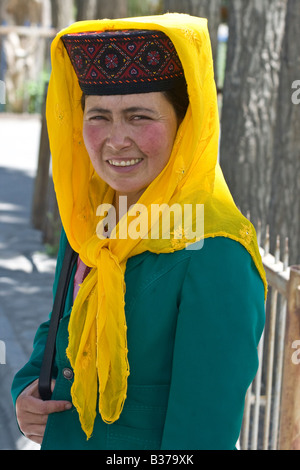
(124, 62)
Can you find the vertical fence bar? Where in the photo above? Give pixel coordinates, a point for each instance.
(270, 364)
(244, 442)
(257, 394)
(279, 369)
(290, 405)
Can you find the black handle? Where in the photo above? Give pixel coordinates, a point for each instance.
(45, 378)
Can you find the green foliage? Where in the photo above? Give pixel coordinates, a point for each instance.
(144, 7)
(28, 97)
(34, 93)
(52, 245)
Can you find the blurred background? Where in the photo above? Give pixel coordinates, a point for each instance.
(257, 73)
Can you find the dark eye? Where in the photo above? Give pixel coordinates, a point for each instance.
(140, 117)
(98, 118)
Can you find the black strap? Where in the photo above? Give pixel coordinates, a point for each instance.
(69, 261)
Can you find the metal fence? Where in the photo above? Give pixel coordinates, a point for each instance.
(271, 420)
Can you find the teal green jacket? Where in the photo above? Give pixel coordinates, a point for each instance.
(194, 321)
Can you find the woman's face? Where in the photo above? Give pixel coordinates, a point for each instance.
(129, 139)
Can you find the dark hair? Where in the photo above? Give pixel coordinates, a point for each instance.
(177, 96)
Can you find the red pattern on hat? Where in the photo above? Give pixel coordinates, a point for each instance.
(119, 62)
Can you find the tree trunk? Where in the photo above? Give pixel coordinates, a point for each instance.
(250, 98)
(112, 9)
(86, 9)
(98, 9)
(210, 9)
(285, 196)
(62, 13)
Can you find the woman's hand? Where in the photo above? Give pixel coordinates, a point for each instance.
(32, 412)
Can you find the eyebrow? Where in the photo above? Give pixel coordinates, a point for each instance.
(133, 109)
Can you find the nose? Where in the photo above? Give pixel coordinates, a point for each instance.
(118, 138)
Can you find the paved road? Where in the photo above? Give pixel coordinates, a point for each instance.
(26, 271)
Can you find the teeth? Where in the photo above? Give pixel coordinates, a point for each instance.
(123, 163)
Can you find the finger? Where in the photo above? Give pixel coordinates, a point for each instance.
(54, 406)
(39, 407)
(30, 404)
(36, 439)
(32, 418)
(52, 385)
(33, 388)
(34, 430)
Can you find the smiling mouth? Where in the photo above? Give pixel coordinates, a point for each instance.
(125, 163)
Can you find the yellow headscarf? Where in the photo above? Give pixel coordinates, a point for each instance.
(97, 331)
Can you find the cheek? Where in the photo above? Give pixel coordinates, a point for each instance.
(92, 137)
(156, 142)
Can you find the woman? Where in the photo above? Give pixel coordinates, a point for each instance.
(158, 342)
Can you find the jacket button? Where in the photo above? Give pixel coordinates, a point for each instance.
(68, 373)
